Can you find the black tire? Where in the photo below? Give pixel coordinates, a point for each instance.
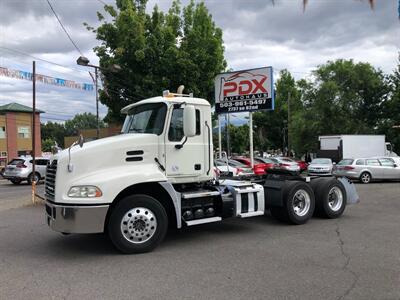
(32, 178)
(123, 240)
(291, 194)
(365, 177)
(330, 198)
(15, 181)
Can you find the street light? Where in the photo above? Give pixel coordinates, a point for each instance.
(84, 61)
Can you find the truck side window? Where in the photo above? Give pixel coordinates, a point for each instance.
(175, 132)
(198, 122)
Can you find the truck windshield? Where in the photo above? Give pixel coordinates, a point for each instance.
(146, 118)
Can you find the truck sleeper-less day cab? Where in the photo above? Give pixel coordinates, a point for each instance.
(159, 173)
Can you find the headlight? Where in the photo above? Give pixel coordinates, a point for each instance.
(84, 191)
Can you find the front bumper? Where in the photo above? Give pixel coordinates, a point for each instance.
(75, 218)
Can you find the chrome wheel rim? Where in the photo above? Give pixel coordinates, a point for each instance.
(335, 198)
(365, 178)
(301, 203)
(138, 225)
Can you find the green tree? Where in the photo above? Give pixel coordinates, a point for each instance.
(344, 98)
(390, 119)
(156, 51)
(53, 131)
(271, 127)
(81, 121)
(47, 145)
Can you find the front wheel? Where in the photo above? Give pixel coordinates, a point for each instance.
(137, 224)
(365, 177)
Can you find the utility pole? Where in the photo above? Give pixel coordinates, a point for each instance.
(97, 103)
(33, 130)
(288, 122)
(219, 137)
(251, 138)
(228, 142)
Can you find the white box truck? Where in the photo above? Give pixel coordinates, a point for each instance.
(159, 173)
(342, 146)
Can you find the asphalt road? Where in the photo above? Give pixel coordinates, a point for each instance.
(9, 191)
(354, 257)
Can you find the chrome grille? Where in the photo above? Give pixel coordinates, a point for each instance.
(50, 181)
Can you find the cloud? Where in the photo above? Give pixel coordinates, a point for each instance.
(256, 33)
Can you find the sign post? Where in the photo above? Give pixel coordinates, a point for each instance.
(245, 91)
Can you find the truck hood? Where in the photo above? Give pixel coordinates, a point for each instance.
(132, 148)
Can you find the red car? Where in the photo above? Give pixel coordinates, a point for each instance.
(260, 166)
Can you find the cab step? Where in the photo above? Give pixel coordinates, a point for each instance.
(202, 221)
(251, 214)
(200, 194)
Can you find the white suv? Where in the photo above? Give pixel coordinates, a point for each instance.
(20, 169)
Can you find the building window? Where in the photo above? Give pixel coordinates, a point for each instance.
(3, 154)
(2, 132)
(23, 132)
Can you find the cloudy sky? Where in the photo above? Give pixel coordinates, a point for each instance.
(256, 33)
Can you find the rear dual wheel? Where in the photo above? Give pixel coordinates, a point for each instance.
(330, 196)
(298, 204)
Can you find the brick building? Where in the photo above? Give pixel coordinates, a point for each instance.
(16, 131)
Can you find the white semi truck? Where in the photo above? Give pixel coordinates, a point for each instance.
(338, 147)
(158, 173)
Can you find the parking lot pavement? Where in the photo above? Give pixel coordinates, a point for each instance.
(13, 196)
(354, 257)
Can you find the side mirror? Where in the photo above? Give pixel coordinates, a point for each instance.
(189, 121)
(81, 140)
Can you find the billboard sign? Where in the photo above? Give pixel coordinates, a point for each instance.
(244, 91)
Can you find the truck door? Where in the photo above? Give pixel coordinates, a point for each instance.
(185, 157)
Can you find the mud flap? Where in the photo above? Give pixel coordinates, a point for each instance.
(351, 192)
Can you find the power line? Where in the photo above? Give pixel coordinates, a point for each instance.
(42, 59)
(65, 30)
(102, 2)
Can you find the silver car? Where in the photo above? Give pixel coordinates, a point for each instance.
(20, 169)
(320, 166)
(232, 168)
(367, 169)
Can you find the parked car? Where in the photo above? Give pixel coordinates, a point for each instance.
(320, 166)
(232, 168)
(20, 169)
(259, 166)
(368, 169)
(286, 163)
(270, 163)
(302, 164)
